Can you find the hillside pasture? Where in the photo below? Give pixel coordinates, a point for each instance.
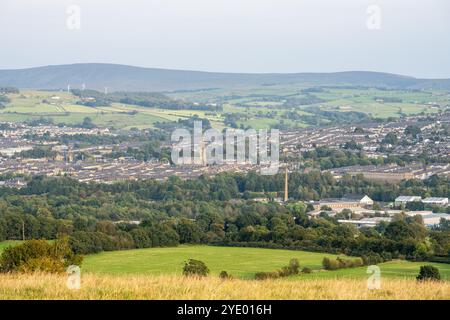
(240, 262)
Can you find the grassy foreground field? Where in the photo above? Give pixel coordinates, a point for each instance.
(42, 286)
(156, 274)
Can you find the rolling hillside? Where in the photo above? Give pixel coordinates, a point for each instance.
(128, 78)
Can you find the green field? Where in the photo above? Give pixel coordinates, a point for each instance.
(31, 105)
(257, 107)
(8, 243)
(240, 262)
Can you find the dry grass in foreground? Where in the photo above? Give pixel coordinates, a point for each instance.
(45, 286)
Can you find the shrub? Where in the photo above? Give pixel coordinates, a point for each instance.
(340, 263)
(39, 255)
(44, 264)
(372, 259)
(294, 266)
(267, 275)
(329, 264)
(429, 273)
(307, 270)
(349, 263)
(195, 268)
(291, 269)
(224, 275)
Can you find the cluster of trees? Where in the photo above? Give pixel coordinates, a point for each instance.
(390, 138)
(231, 120)
(87, 123)
(95, 98)
(306, 99)
(37, 152)
(313, 185)
(341, 263)
(413, 130)
(8, 90)
(39, 122)
(292, 269)
(145, 152)
(4, 99)
(327, 158)
(188, 124)
(215, 211)
(39, 255)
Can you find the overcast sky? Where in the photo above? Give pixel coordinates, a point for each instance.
(407, 37)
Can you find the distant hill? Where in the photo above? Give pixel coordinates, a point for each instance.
(128, 78)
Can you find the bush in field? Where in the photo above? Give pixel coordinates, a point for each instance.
(307, 270)
(224, 275)
(329, 264)
(291, 269)
(429, 273)
(195, 268)
(39, 255)
(340, 263)
(349, 263)
(46, 264)
(374, 258)
(267, 275)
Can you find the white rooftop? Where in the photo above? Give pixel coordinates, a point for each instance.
(434, 199)
(408, 198)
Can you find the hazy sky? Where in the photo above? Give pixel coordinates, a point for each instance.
(407, 37)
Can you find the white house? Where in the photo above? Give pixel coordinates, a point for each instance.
(436, 201)
(403, 200)
(364, 200)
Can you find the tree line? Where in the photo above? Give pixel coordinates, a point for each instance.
(216, 211)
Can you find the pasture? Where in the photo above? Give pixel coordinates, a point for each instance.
(257, 107)
(156, 273)
(239, 262)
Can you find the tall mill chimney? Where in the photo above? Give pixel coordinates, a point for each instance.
(286, 195)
